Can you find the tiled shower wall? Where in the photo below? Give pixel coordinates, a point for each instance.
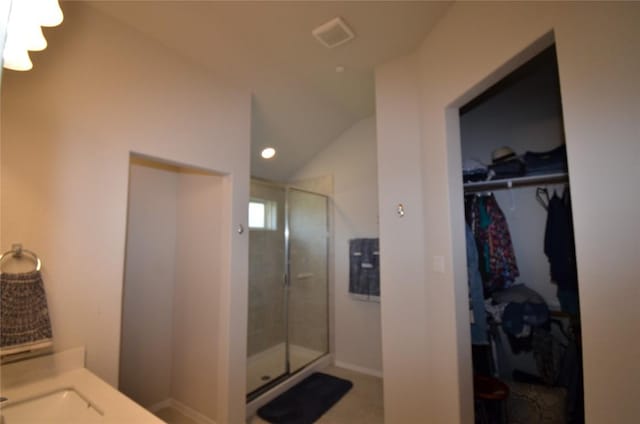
(266, 326)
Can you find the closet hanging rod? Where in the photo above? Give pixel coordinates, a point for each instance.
(17, 252)
(529, 180)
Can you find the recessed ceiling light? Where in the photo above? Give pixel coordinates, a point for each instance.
(268, 153)
(339, 69)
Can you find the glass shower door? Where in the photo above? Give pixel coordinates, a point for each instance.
(288, 322)
(308, 305)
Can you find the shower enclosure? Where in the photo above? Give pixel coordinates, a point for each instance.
(288, 323)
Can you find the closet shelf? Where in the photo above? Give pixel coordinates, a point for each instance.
(529, 180)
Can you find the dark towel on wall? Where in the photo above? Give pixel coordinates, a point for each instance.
(364, 266)
(24, 314)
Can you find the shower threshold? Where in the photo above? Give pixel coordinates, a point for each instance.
(267, 369)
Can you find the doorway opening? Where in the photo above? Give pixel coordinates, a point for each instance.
(521, 267)
(174, 269)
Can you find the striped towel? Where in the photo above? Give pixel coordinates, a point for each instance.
(24, 315)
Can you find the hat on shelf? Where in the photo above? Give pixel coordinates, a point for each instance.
(502, 154)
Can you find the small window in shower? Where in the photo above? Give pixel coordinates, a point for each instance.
(263, 214)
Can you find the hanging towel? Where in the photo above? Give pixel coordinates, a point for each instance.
(24, 315)
(364, 267)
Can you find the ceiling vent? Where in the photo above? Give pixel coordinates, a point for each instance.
(333, 33)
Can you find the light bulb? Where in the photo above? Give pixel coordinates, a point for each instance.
(16, 59)
(268, 153)
(25, 35)
(23, 29)
(49, 13)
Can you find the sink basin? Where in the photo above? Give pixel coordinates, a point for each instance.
(61, 406)
(56, 388)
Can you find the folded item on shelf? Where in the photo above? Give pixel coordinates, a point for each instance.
(508, 169)
(554, 160)
(472, 165)
(474, 176)
(473, 170)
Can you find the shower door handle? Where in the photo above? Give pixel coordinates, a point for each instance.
(285, 279)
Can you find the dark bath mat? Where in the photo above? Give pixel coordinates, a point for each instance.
(305, 402)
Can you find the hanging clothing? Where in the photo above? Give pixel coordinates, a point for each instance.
(559, 246)
(476, 293)
(498, 265)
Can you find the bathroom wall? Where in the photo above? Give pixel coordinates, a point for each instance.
(200, 262)
(473, 46)
(266, 326)
(150, 271)
(350, 161)
(405, 347)
(100, 91)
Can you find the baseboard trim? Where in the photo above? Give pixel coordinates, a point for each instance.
(357, 368)
(160, 405)
(183, 409)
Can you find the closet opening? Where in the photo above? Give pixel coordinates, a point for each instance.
(521, 268)
(175, 268)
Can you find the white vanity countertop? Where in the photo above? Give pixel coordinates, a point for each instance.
(65, 370)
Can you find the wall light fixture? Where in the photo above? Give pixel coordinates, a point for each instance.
(24, 32)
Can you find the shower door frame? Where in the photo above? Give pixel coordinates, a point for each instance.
(287, 285)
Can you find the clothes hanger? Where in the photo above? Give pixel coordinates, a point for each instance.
(542, 196)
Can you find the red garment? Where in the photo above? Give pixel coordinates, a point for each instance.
(497, 259)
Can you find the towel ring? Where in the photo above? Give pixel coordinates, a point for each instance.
(17, 251)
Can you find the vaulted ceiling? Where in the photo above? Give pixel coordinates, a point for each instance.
(300, 103)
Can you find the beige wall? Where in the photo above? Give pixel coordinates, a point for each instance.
(472, 46)
(147, 311)
(350, 160)
(101, 91)
(405, 354)
(200, 258)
